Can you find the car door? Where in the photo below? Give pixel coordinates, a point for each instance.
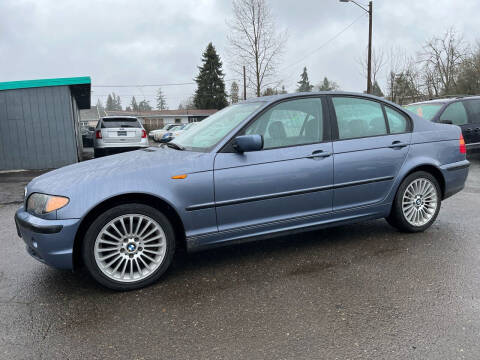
(473, 128)
(289, 181)
(370, 146)
(456, 113)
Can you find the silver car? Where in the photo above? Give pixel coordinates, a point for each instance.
(117, 134)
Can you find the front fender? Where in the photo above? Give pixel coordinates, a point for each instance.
(178, 193)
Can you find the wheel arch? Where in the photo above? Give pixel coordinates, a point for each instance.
(140, 198)
(431, 169)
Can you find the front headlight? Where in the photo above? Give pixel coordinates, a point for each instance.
(42, 203)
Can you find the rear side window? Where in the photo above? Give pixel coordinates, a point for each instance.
(358, 117)
(120, 123)
(397, 122)
(455, 113)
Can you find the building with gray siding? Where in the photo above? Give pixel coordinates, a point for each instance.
(39, 122)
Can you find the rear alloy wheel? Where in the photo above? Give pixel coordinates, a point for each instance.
(417, 203)
(129, 246)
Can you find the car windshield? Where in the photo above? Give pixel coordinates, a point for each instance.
(214, 128)
(188, 126)
(426, 110)
(120, 123)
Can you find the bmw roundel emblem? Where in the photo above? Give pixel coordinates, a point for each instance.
(131, 247)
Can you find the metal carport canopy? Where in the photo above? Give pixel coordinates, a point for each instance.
(79, 86)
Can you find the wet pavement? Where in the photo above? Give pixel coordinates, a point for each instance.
(351, 292)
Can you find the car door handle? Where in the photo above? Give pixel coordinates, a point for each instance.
(319, 154)
(398, 144)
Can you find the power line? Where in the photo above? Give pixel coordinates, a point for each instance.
(156, 85)
(325, 43)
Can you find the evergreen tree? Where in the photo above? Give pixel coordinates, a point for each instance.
(109, 105)
(187, 104)
(283, 91)
(328, 85)
(118, 103)
(133, 104)
(234, 93)
(270, 91)
(100, 107)
(113, 102)
(161, 101)
(304, 85)
(144, 105)
(376, 90)
(210, 93)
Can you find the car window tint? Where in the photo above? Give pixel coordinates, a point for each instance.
(473, 108)
(120, 123)
(358, 117)
(427, 111)
(295, 122)
(397, 122)
(456, 113)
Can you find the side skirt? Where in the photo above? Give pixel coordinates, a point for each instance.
(286, 227)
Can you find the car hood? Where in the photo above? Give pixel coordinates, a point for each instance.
(158, 162)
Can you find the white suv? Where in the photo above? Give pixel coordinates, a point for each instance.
(118, 133)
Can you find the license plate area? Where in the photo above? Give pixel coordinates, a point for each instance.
(121, 133)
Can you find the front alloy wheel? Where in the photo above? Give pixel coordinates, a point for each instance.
(129, 246)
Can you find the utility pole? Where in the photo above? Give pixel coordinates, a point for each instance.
(369, 65)
(369, 61)
(244, 84)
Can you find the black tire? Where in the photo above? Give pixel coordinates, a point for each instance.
(88, 245)
(98, 153)
(397, 218)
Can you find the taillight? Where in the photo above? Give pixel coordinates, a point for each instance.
(98, 134)
(463, 148)
(144, 134)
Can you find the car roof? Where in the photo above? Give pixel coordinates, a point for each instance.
(447, 100)
(119, 117)
(275, 98)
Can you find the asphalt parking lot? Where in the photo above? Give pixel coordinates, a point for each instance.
(357, 291)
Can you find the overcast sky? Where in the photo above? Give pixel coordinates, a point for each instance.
(159, 42)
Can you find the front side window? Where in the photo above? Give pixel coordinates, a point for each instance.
(397, 122)
(455, 113)
(290, 123)
(214, 128)
(358, 117)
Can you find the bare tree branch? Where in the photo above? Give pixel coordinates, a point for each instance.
(254, 43)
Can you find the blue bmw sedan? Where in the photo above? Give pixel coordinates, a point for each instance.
(264, 167)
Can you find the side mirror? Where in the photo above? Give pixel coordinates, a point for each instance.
(246, 143)
(446, 122)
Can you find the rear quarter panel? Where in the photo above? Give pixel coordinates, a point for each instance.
(435, 145)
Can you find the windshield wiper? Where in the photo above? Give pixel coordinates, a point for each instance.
(175, 146)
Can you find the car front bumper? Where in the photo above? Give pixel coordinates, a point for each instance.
(48, 241)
